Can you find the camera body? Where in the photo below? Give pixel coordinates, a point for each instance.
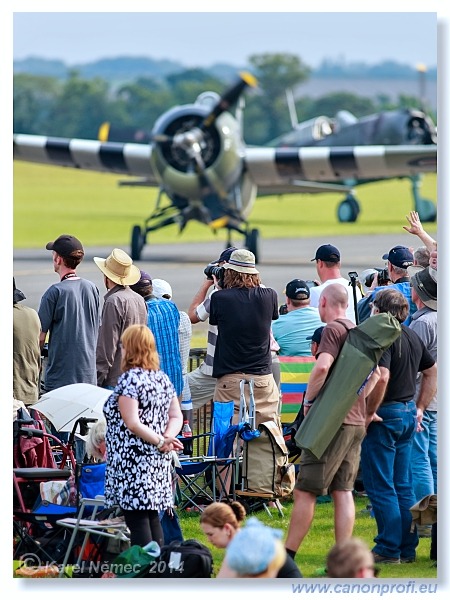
(383, 277)
(218, 272)
(310, 283)
(283, 310)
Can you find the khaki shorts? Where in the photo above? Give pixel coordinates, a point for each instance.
(202, 387)
(338, 467)
(265, 392)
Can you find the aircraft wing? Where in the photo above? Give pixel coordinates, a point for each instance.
(304, 187)
(278, 169)
(111, 157)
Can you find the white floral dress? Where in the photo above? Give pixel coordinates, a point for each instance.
(138, 475)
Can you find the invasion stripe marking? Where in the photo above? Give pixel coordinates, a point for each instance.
(287, 161)
(111, 156)
(58, 150)
(343, 159)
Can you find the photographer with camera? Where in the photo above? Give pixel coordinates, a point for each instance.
(293, 328)
(201, 380)
(243, 312)
(398, 259)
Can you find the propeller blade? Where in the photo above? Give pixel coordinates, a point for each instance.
(229, 98)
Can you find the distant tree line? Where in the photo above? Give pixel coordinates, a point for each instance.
(77, 106)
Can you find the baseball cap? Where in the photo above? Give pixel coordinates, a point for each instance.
(65, 244)
(317, 335)
(144, 281)
(328, 253)
(297, 289)
(225, 256)
(161, 288)
(399, 256)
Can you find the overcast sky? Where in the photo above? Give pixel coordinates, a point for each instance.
(201, 39)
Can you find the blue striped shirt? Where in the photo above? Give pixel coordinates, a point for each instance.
(164, 321)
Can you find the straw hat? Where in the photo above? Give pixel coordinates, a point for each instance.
(118, 267)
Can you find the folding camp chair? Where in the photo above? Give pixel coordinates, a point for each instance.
(91, 528)
(208, 478)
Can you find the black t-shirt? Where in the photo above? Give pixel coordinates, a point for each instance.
(243, 317)
(405, 358)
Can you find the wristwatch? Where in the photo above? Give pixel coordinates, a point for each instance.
(160, 444)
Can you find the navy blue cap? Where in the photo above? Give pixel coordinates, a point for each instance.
(400, 256)
(226, 254)
(317, 335)
(327, 253)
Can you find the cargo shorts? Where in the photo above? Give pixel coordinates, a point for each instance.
(338, 467)
(265, 391)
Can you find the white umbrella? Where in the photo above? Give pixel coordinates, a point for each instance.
(66, 404)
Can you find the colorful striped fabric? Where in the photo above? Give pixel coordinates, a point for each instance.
(295, 371)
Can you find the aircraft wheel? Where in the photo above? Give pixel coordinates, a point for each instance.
(252, 243)
(426, 210)
(137, 242)
(348, 210)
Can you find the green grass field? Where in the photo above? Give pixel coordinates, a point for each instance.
(312, 553)
(48, 200)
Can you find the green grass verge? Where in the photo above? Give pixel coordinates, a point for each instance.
(50, 200)
(312, 553)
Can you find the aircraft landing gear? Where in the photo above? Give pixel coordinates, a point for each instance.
(425, 208)
(252, 243)
(348, 210)
(137, 242)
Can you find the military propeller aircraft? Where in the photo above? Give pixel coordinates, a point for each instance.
(388, 128)
(197, 158)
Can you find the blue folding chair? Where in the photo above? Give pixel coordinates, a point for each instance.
(210, 478)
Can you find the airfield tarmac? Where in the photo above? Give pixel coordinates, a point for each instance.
(182, 264)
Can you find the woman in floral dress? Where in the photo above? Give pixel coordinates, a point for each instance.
(143, 418)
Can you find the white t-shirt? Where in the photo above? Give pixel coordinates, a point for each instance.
(317, 290)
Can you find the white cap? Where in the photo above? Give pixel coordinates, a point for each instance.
(161, 288)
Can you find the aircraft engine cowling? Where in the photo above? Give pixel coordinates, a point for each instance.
(186, 154)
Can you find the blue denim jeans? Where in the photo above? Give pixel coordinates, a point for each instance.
(424, 457)
(387, 476)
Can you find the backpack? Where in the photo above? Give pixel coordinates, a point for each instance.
(354, 365)
(179, 560)
(266, 467)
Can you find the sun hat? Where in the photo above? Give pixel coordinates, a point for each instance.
(242, 261)
(65, 244)
(118, 267)
(254, 548)
(161, 288)
(399, 256)
(424, 285)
